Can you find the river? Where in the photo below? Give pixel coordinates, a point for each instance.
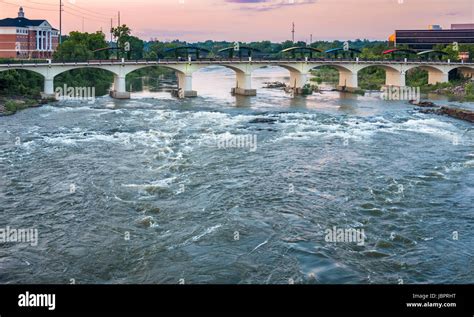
(139, 191)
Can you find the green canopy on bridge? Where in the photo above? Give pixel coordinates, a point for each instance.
(351, 51)
(243, 51)
(436, 53)
(185, 51)
(333, 50)
(302, 50)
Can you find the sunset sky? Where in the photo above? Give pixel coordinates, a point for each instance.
(249, 20)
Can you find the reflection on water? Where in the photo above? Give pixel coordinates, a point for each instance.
(151, 167)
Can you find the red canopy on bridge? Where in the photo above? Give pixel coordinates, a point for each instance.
(394, 50)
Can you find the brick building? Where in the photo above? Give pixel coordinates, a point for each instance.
(24, 38)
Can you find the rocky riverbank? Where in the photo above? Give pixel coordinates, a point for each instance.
(463, 91)
(461, 114)
(457, 113)
(458, 90)
(9, 106)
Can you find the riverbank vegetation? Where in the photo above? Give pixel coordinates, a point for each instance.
(9, 106)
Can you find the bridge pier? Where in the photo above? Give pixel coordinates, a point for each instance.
(185, 86)
(348, 80)
(466, 72)
(395, 78)
(244, 85)
(119, 91)
(297, 82)
(48, 91)
(435, 77)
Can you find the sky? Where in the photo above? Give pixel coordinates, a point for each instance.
(248, 20)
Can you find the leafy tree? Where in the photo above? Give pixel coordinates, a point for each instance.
(121, 33)
(20, 83)
(126, 41)
(81, 47)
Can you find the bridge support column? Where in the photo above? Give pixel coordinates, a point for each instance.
(348, 81)
(395, 78)
(185, 86)
(119, 91)
(466, 72)
(48, 91)
(244, 85)
(435, 77)
(297, 82)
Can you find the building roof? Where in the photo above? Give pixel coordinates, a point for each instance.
(20, 22)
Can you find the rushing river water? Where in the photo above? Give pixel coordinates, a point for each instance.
(138, 191)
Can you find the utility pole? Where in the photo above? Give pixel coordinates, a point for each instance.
(119, 18)
(60, 21)
(311, 39)
(293, 33)
(111, 28)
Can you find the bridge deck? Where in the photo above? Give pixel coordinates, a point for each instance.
(226, 62)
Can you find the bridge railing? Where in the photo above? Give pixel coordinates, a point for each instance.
(220, 60)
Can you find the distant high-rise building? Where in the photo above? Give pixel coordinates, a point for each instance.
(462, 26)
(24, 38)
(427, 39)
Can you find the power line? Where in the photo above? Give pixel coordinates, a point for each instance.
(90, 17)
(42, 3)
(28, 7)
(87, 18)
(69, 9)
(87, 10)
(75, 8)
(96, 16)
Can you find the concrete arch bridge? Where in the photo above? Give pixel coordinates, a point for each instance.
(438, 72)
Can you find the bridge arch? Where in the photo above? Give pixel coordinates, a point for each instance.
(347, 75)
(183, 75)
(433, 68)
(436, 74)
(464, 71)
(183, 72)
(70, 68)
(382, 66)
(393, 76)
(101, 78)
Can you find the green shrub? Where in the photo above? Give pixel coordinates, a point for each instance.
(469, 89)
(11, 106)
